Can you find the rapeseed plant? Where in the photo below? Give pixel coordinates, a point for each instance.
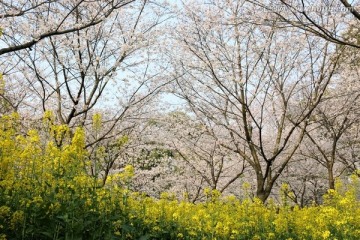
(47, 193)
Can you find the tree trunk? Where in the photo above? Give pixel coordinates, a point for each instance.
(261, 191)
(331, 178)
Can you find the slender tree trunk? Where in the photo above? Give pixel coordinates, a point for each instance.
(331, 178)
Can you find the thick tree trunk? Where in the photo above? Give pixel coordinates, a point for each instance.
(262, 192)
(262, 195)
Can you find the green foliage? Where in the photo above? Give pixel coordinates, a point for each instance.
(149, 159)
(47, 193)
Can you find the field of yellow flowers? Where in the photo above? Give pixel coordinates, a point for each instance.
(46, 193)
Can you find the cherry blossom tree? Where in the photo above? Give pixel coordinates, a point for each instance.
(326, 19)
(259, 84)
(332, 140)
(24, 23)
(333, 137)
(175, 153)
(97, 62)
(109, 63)
(305, 180)
(198, 147)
